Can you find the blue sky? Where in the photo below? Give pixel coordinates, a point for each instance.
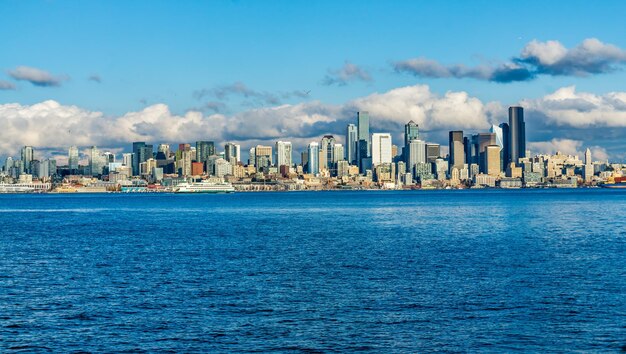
(157, 52)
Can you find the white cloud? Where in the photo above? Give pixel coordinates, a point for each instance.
(567, 107)
(565, 115)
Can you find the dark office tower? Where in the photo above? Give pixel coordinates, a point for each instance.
(467, 146)
(204, 149)
(457, 150)
(411, 132)
(363, 124)
(517, 134)
(480, 142)
(506, 144)
(433, 152)
(138, 150)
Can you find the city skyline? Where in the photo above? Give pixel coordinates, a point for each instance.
(567, 77)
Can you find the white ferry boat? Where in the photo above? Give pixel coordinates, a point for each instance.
(205, 187)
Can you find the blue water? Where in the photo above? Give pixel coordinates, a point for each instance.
(527, 270)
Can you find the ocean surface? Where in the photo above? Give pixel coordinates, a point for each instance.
(487, 270)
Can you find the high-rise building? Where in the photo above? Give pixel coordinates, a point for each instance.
(231, 153)
(72, 161)
(480, 142)
(588, 169)
(381, 148)
(416, 154)
(327, 152)
(492, 160)
(141, 153)
(263, 158)
(96, 161)
(127, 159)
(457, 150)
(338, 154)
(517, 134)
(28, 155)
(165, 149)
(506, 145)
(363, 135)
(433, 152)
(8, 164)
(204, 149)
(283, 153)
(352, 137)
(411, 132)
(313, 158)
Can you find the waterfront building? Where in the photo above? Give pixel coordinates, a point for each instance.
(517, 134)
(381, 148)
(223, 168)
(343, 168)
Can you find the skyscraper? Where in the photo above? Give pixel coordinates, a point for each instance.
(457, 151)
(381, 148)
(506, 145)
(411, 132)
(352, 137)
(72, 160)
(27, 158)
(492, 160)
(480, 142)
(283, 153)
(433, 152)
(327, 147)
(313, 158)
(204, 149)
(517, 133)
(416, 154)
(141, 153)
(231, 153)
(363, 144)
(96, 161)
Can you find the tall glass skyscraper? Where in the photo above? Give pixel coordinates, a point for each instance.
(73, 159)
(363, 124)
(352, 137)
(411, 132)
(204, 149)
(517, 133)
(314, 158)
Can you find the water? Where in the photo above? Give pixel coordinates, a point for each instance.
(528, 270)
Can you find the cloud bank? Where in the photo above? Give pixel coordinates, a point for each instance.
(575, 118)
(537, 58)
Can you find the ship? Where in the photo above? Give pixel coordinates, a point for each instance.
(615, 183)
(204, 187)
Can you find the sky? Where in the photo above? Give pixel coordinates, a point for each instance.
(107, 73)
